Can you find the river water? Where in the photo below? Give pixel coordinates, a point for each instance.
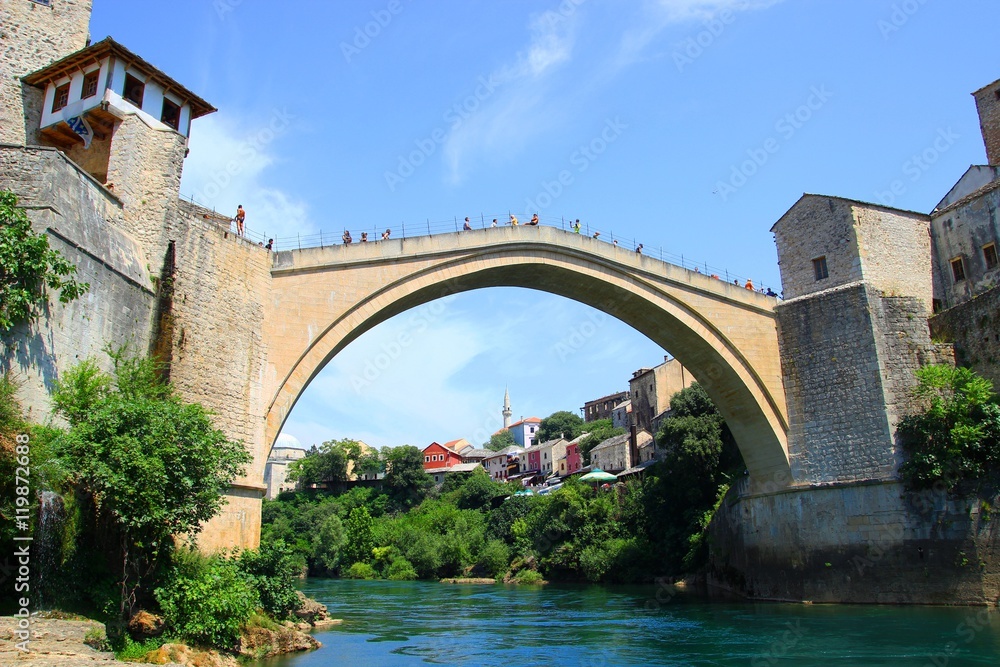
(418, 623)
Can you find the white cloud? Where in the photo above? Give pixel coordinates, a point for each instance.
(662, 14)
(504, 123)
(229, 164)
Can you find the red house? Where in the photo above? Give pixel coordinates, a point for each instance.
(574, 462)
(534, 459)
(439, 456)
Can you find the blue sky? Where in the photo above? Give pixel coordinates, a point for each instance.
(686, 125)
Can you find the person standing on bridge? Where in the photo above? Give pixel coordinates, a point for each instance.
(513, 220)
(749, 285)
(576, 226)
(494, 223)
(638, 251)
(240, 217)
(467, 227)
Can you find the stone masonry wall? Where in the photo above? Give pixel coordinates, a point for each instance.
(64, 202)
(974, 328)
(849, 358)
(988, 104)
(816, 227)
(838, 430)
(961, 230)
(31, 37)
(895, 251)
(221, 284)
(145, 167)
(857, 543)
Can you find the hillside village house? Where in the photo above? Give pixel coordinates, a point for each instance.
(501, 465)
(612, 455)
(524, 431)
(549, 453)
(446, 455)
(572, 463)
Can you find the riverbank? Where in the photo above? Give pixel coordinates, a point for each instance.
(58, 642)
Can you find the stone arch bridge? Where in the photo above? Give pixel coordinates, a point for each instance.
(321, 299)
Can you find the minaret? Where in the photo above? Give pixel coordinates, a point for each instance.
(507, 412)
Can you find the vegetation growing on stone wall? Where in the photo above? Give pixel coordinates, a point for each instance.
(955, 441)
(137, 468)
(473, 526)
(27, 266)
(155, 466)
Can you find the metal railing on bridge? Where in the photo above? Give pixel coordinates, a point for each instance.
(429, 227)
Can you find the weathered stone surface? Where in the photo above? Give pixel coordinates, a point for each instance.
(264, 643)
(32, 36)
(864, 543)
(144, 624)
(54, 643)
(309, 610)
(179, 654)
(974, 328)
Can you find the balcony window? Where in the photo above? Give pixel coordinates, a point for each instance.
(171, 114)
(90, 83)
(134, 89)
(61, 98)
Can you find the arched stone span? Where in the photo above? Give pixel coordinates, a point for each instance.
(324, 298)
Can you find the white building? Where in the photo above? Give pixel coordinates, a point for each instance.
(276, 469)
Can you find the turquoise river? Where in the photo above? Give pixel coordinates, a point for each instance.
(390, 623)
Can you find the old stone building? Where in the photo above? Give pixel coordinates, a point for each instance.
(650, 390)
(92, 141)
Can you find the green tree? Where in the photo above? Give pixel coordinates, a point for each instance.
(27, 266)
(406, 482)
(957, 438)
(562, 424)
(500, 440)
(326, 463)
(154, 465)
(599, 431)
(369, 464)
(699, 456)
(360, 532)
(328, 542)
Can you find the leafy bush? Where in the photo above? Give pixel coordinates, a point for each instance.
(957, 438)
(272, 571)
(400, 570)
(129, 650)
(494, 558)
(361, 571)
(528, 578)
(206, 599)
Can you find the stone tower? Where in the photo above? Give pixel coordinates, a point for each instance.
(988, 105)
(852, 330)
(507, 412)
(32, 35)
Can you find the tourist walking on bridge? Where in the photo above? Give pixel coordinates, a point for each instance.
(467, 226)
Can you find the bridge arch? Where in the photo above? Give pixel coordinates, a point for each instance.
(324, 298)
